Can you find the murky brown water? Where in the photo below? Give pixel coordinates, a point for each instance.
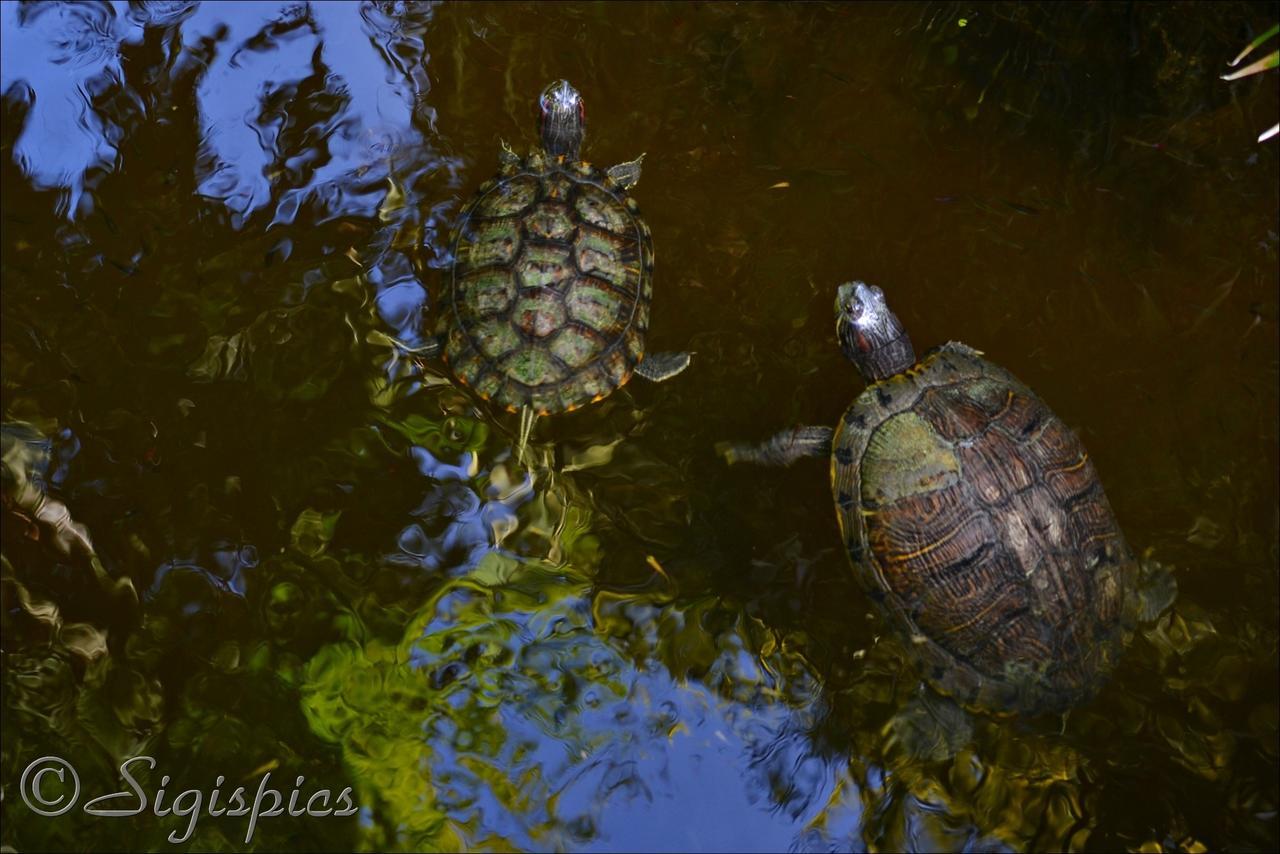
(219, 220)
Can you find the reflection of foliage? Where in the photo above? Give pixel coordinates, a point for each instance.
(380, 703)
(505, 710)
(289, 353)
(447, 439)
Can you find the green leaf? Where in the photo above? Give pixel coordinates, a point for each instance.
(1253, 44)
(1264, 64)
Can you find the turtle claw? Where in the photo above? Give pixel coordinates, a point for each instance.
(507, 155)
(626, 174)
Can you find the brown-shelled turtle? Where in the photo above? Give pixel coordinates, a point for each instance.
(973, 517)
(548, 298)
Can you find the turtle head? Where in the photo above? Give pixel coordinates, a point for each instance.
(562, 120)
(871, 335)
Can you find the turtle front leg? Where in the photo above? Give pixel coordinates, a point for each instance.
(626, 174)
(782, 450)
(657, 367)
(508, 160)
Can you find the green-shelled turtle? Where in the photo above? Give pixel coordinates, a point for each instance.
(973, 516)
(548, 298)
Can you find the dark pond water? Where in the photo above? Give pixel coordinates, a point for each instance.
(225, 228)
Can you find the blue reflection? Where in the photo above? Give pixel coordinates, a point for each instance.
(401, 306)
(469, 527)
(70, 53)
(226, 574)
(614, 754)
(67, 52)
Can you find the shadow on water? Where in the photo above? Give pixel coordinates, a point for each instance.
(225, 228)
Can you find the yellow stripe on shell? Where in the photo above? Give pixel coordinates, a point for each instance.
(1084, 458)
(1008, 402)
(938, 544)
(969, 622)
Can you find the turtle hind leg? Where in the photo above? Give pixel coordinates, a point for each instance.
(657, 367)
(783, 449)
